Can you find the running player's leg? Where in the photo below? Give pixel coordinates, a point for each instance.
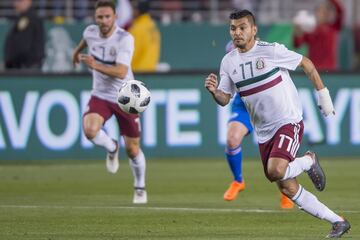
(235, 134)
(238, 127)
(280, 153)
(310, 204)
(138, 166)
(93, 120)
(130, 127)
(136, 160)
(92, 124)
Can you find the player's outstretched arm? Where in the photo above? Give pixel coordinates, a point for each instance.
(219, 96)
(76, 54)
(324, 100)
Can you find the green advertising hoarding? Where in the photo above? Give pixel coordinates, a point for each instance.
(40, 118)
(176, 39)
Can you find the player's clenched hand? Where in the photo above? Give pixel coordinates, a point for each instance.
(88, 60)
(324, 102)
(211, 83)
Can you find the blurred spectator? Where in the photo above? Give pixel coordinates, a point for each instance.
(244, 4)
(57, 9)
(147, 38)
(24, 44)
(59, 49)
(172, 11)
(80, 9)
(357, 45)
(322, 42)
(124, 14)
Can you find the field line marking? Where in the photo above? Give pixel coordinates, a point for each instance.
(160, 208)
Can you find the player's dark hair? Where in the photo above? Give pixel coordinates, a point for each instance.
(105, 3)
(237, 14)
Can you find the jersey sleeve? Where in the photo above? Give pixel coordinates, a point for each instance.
(226, 85)
(126, 51)
(88, 31)
(285, 58)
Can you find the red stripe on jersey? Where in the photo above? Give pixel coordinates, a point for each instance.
(261, 87)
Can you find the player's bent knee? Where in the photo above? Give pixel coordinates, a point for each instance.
(132, 146)
(90, 132)
(132, 149)
(233, 140)
(275, 174)
(132, 152)
(272, 178)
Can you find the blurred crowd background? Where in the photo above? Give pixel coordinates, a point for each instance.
(188, 26)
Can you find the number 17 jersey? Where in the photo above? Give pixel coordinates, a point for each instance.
(261, 77)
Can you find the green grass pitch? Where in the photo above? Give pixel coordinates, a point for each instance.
(79, 200)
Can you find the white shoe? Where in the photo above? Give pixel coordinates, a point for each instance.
(112, 160)
(140, 196)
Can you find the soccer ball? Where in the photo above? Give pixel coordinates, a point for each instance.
(133, 97)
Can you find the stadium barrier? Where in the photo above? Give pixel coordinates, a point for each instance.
(205, 42)
(40, 118)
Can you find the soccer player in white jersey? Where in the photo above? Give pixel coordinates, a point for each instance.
(259, 72)
(239, 126)
(110, 51)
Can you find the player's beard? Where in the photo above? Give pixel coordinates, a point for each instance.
(239, 45)
(105, 30)
(242, 45)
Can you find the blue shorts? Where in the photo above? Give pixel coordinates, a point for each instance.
(240, 114)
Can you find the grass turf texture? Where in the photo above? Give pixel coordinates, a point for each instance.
(80, 200)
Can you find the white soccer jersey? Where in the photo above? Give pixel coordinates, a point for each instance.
(261, 77)
(118, 48)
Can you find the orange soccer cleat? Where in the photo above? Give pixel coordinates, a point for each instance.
(285, 202)
(233, 190)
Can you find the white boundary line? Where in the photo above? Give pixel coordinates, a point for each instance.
(160, 208)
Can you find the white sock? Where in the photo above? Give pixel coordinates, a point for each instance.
(296, 167)
(103, 140)
(138, 166)
(310, 204)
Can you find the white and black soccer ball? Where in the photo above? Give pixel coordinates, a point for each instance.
(133, 97)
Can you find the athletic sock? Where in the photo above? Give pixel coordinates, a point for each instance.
(103, 140)
(296, 167)
(310, 204)
(234, 158)
(138, 166)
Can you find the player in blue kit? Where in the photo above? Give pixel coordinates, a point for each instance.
(239, 126)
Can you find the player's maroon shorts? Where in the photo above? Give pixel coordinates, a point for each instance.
(284, 144)
(129, 124)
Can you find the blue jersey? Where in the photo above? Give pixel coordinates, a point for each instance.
(238, 109)
(239, 113)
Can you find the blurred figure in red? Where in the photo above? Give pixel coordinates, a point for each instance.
(322, 41)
